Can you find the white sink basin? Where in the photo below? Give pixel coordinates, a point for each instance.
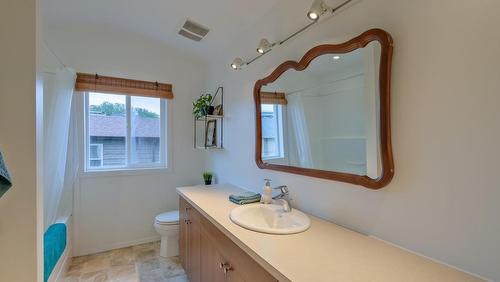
(270, 219)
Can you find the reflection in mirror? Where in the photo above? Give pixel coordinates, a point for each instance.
(326, 117)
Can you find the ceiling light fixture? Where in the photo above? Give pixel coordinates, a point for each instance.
(336, 57)
(264, 46)
(237, 64)
(318, 8)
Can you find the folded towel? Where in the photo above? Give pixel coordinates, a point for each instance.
(5, 182)
(245, 198)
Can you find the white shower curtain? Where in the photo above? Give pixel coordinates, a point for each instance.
(297, 118)
(57, 115)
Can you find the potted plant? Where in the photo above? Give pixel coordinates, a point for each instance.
(207, 177)
(203, 106)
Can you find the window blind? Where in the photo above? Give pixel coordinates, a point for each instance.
(275, 98)
(86, 82)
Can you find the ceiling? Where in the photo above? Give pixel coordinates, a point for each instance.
(162, 19)
(233, 24)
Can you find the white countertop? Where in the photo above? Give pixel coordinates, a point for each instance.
(325, 252)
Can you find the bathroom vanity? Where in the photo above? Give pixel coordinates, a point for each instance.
(208, 255)
(213, 248)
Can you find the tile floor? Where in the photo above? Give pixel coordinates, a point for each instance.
(141, 263)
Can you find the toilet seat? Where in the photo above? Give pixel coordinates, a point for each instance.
(168, 218)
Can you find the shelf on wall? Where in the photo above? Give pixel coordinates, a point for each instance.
(210, 148)
(209, 117)
(201, 129)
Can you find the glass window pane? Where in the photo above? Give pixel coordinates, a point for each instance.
(145, 130)
(107, 126)
(270, 131)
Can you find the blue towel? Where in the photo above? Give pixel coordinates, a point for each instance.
(5, 182)
(245, 198)
(54, 243)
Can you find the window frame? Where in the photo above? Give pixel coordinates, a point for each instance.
(281, 121)
(165, 128)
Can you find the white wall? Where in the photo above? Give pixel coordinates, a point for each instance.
(444, 199)
(119, 210)
(18, 207)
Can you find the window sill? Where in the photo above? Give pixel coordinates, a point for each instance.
(274, 159)
(124, 172)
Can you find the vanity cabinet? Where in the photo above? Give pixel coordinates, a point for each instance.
(208, 255)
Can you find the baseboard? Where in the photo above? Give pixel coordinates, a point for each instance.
(117, 246)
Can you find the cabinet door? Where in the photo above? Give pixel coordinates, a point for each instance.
(208, 261)
(183, 233)
(227, 272)
(238, 265)
(193, 245)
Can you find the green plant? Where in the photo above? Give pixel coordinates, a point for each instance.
(200, 106)
(207, 176)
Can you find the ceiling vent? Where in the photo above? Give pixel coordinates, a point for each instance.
(193, 31)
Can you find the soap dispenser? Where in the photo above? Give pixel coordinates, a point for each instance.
(267, 193)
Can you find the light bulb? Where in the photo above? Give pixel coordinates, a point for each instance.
(316, 10)
(237, 63)
(264, 46)
(312, 15)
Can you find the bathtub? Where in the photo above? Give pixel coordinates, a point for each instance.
(65, 258)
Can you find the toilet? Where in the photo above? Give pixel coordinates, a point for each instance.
(167, 225)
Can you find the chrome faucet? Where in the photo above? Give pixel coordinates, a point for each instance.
(284, 197)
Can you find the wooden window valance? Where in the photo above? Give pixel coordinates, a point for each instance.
(114, 85)
(275, 98)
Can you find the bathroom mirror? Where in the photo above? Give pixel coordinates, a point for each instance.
(328, 115)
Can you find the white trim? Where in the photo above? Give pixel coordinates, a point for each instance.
(124, 172)
(128, 141)
(164, 166)
(430, 258)
(118, 245)
(80, 123)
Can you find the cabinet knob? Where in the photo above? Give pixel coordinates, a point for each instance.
(225, 267)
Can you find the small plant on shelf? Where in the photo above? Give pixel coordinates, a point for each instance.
(207, 177)
(203, 106)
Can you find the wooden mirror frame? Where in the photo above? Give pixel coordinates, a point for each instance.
(385, 40)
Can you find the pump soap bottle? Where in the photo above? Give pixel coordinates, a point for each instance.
(267, 193)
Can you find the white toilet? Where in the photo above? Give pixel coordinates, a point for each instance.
(167, 225)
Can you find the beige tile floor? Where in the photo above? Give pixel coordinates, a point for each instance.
(141, 263)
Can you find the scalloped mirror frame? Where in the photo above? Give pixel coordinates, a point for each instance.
(385, 40)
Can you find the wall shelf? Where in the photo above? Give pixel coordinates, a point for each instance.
(209, 129)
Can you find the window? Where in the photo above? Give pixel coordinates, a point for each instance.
(272, 131)
(124, 132)
(95, 155)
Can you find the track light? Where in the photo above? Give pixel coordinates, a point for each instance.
(237, 64)
(317, 9)
(264, 46)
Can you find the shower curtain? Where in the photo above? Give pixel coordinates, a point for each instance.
(297, 119)
(57, 115)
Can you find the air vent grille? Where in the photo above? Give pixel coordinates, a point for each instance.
(193, 31)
